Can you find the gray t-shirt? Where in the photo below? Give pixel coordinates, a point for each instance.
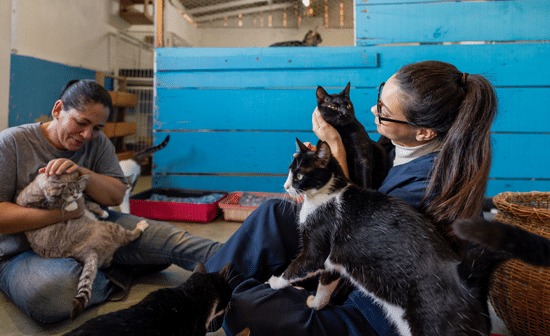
(24, 150)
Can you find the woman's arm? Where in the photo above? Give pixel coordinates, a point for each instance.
(103, 189)
(17, 219)
(330, 135)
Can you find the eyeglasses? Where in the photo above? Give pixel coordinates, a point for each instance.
(379, 110)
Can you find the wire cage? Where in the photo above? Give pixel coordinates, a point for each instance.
(133, 59)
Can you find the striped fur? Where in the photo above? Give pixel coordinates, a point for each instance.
(90, 241)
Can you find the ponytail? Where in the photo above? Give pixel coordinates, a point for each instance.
(461, 108)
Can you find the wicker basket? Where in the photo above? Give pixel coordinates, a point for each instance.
(520, 293)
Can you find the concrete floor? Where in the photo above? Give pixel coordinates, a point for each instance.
(13, 322)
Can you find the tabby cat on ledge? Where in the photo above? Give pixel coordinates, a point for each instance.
(90, 241)
(312, 39)
(394, 255)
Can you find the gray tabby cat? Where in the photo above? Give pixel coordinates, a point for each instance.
(312, 39)
(91, 242)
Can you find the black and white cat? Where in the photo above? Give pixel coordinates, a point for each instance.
(366, 159)
(312, 39)
(394, 255)
(132, 170)
(186, 310)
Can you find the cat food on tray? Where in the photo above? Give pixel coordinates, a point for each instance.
(177, 204)
(238, 205)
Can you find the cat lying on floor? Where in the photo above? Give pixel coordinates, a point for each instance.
(186, 310)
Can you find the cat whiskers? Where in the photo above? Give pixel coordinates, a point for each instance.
(230, 277)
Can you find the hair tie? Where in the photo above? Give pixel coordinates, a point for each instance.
(464, 78)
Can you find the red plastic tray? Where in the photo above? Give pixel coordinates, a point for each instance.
(173, 211)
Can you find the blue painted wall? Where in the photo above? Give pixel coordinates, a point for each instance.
(35, 85)
(233, 114)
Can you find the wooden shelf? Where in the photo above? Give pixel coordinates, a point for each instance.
(123, 99)
(130, 14)
(116, 129)
(125, 155)
(119, 129)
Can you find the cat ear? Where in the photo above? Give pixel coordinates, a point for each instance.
(321, 94)
(54, 190)
(323, 153)
(200, 268)
(225, 270)
(300, 147)
(346, 90)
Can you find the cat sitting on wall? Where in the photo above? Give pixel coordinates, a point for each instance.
(312, 39)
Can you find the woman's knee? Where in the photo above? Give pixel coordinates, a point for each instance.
(44, 288)
(50, 298)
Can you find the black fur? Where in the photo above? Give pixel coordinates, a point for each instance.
(184, 310)
(312, 39)
(395, 255)
(367, 161)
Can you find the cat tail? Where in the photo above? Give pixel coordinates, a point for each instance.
(140, 156)
(492, 243)
(84, 289)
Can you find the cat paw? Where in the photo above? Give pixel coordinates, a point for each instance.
(142, 225)
(313, 302)
(104, 214)
(71, 206)
(278, 282)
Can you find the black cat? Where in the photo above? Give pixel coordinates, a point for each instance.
(394, 255)
(367, 161)
(186, 310)
(312, 39)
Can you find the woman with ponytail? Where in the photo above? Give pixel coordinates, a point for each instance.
(438, 120)
(459, 109)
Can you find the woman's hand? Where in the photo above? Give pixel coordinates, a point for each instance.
(324, 130)
(103, 189)
(59, 166)
(78, 212)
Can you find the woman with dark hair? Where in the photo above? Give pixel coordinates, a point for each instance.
(438, 120)
(73, 141)
(459, 108)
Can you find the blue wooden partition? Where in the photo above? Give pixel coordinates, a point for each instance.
(233, 113)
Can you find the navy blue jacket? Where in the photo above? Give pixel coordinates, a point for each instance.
(268, 241)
